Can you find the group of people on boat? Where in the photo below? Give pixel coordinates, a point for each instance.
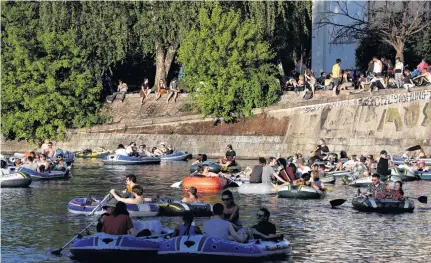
(224, 224)
(379, 190)
(141, 151)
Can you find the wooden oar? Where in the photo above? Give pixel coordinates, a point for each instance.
(101, 202)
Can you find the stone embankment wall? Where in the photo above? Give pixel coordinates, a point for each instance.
(362, 123)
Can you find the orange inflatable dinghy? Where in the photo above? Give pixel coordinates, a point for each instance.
(205, 184)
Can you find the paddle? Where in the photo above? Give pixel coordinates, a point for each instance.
(101, 202)
(338, 202)
(421, 199)
(58, 251)
(414, 148)
(232, 181)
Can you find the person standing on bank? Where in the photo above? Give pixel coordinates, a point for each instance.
(399, 68)
(336, 74)
(173, 90)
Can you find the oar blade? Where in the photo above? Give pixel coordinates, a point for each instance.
(414, 148)
(56, 252)
(176, 185)
(423, 199)
(337, 202)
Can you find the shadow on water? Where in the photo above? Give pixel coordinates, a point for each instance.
(35, 220)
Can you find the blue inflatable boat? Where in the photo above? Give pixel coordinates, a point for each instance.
(176, 156)
(49, 175)
(122, 159)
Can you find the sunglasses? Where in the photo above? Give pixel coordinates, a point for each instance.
(59, 157)
(225, 199)
(259, 215)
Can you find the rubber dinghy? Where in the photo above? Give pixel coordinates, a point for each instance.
(339, 173)
(205, 248)
(122, 159)
(423, 175)
(176, 156)
(103, 247)
(15, 180)
(91, 155)
(84, 206)
(49, 175)
(160, 207)
(300, 192)
(382, 205)
(215, 167)
(404, 174)
(205, 184)
(257, 189)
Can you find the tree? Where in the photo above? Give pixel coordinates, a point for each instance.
(160, 27)
(393, 22)
(51, 66)
(226, 64)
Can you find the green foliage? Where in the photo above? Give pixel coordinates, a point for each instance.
(226, 65)
(49, 80)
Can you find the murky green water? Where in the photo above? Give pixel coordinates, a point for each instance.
(35, 220)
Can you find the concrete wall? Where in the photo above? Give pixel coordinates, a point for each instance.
(358, 123)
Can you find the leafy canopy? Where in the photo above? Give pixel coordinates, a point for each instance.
(226, 65)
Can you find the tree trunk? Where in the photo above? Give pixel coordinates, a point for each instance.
(160, 64)
(164, 59)
(170, 55)
(399, 48)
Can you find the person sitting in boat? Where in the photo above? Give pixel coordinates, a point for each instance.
(187, 229)
(30, 164)
(256, 173)
(49, 151)
(371, 164)
(398, 193)
(137, 192)
(205, 171)
(351, 163)
(18, 162)
(192, 196)
(200, 158)
(43, 164)
(44, 146)
(60, 164)
(231, 210)
(383, 165)
(286, 174)
(163, 148)
(268, 170)
(264, 229)
(217, 227)
(421, 166)
(301, 168)
(108, 207)
(132, 150)
(229, 158)
(375, 187)
(34, 155)
(119, 221)
(121, 150)
(385, 194)
(130, 183)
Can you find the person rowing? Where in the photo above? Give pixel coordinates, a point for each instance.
(137, 192)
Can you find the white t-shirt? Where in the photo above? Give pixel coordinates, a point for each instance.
(377, 66)
(121, 152)
(217, 228)
(303, 170)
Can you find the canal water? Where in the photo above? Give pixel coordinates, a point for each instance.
(35, 220)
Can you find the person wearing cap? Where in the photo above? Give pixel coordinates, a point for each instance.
(383, 164)
(108, 207)
(229, 158)
(256, 172)
(193, 196)
(119, 221)
(187, 229)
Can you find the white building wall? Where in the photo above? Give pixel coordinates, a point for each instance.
(323, 53)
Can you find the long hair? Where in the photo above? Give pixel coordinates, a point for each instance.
(120, 209)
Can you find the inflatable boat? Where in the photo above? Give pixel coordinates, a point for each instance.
(360, 182)
(339, 173)
(177, 208)
(205, 184)
(103, 247)
(382, 205)
(85, 206)
(122, 159)
(205, 248)
(257, 189)
(404, 174)
(328, 179)
(17, 179)
(176, 156)
(423, 175)
(49, 175)
(91, 155)
(300, 192)
(215, 167)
